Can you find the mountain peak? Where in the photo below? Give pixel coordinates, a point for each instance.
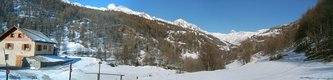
(129, 11)
(185, 24)
(232, 31)
(236, 37)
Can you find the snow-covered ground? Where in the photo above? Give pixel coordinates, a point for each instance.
(292, 67)
(86, 69)
(82, 70)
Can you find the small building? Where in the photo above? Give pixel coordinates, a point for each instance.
(18, 43)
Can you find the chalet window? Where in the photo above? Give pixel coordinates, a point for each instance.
(50, 48)
(19, 35)
(39, 47)
(9, 45)
(26, 47)
(44, 47)
(12, 35)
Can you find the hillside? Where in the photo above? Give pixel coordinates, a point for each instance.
(132, 38)
(314, 36)
(311, 35)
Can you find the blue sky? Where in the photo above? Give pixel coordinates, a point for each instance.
(218, 15)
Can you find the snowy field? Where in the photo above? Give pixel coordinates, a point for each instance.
(292, 67)
(85, 69)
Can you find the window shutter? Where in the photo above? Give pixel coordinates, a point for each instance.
(6, 45)
(49, 48)
(29, 47)
(22, 47)
(6, 56)
(13, 45)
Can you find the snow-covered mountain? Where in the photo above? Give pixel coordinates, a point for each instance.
(232, 37)
(188, 25)
(133, 38)
(179, 22)
(235, 37)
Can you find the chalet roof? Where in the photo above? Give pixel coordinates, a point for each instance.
(32, 34)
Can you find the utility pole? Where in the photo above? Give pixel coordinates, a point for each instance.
(99, 71)
(121, 77)
(104, 45)
(7, 71)
(70, 71)
(6, 58)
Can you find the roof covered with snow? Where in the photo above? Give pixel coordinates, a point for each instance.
(32, 34)
(36, 35)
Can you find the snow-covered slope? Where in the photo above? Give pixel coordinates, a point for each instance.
(236, 37)
(292, 67)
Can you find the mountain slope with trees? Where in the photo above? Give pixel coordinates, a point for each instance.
(130, 39)
(311, 34)
(315, 35)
